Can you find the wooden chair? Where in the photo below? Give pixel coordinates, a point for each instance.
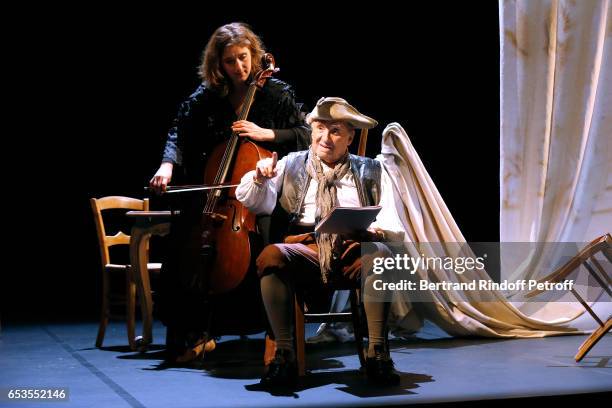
(301, 318)
(105, 242)
(586, 258)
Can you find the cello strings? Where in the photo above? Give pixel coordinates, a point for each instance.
(230, 150)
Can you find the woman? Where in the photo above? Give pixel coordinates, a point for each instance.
(208, 117)
(231, 58)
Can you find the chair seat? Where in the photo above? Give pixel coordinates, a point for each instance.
(328, 317)
(116, 267)
(345, 285)
(154, 267)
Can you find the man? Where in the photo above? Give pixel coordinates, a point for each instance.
(300, 189)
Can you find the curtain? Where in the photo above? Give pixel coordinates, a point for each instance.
(556, 129)
(555, 175)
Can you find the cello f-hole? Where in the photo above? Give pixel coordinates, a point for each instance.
(235, 220)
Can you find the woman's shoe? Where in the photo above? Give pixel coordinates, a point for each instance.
(197, 350)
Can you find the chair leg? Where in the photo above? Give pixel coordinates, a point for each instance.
(602, 271)
(130, 309)
(387, 347)
(300, 343)
(355, 315)
(105, 309)
(588, 344)
(102, 328)
(596, 276)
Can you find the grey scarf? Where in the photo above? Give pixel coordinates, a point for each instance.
(329, 244)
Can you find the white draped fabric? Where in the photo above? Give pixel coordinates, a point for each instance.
(556, 163)
(556, 168)
(556, 128)
(427, 219)
(556, 120)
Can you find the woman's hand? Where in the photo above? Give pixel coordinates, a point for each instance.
(244, 128)
(162, 177)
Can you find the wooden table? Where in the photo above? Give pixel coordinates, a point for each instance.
(146, 224)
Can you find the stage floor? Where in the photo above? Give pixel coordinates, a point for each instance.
(434, 367)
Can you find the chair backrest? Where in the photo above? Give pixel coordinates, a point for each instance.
(363, 141)
(113, 203)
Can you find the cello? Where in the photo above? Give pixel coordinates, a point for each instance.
(221, 248)
(226, 224)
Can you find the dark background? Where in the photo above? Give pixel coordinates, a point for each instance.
(101, 86)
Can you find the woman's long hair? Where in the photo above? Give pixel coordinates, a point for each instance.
(210, 69)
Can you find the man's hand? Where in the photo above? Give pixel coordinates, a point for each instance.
(162, 177)
(369, 235)
(244, 128)
(266, 168)
(308, 237)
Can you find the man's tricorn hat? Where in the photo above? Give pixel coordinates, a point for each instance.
(338, 109)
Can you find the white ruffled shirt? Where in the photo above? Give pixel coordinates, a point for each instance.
(262, 198)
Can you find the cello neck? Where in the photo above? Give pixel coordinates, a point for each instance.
(232, 146)
(248, 101)
(226, 162)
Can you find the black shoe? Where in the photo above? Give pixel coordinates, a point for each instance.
(282, 371)
(380, 371)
